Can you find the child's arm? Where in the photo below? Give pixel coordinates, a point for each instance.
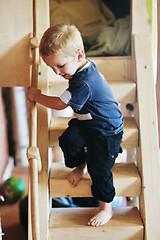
(35, 95)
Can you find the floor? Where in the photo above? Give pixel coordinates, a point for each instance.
(10, 220)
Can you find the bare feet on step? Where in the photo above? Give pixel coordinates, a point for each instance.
(103, 216)
(76, 174)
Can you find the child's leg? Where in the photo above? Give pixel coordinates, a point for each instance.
(73, 144)
(102, 153)
(103, 216)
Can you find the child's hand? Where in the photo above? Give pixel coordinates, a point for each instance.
(32, 93)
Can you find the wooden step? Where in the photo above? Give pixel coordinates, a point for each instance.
(59, 124)
(113, 68)
(70, 223)
(126, 180)
(123, 91)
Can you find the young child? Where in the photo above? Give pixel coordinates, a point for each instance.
(92, 140)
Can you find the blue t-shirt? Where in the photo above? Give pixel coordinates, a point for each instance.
(91, 99)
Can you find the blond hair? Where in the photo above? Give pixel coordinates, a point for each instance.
(61, 39)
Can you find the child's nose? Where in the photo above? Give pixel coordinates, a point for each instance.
(56, 70)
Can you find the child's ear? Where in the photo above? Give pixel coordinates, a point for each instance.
(81, 55)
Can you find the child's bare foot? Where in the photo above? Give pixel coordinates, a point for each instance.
(76, 174)
(104, 215)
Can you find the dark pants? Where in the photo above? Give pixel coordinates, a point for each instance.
(99, 152)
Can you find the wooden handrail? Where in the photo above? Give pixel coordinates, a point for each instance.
(34, 166)
(33, 152)
(33, 169)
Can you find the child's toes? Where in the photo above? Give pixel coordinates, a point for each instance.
(98, 224)
(92, 222)
(89, 223)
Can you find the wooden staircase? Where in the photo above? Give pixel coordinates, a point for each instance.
(131, 80)
(65, 223)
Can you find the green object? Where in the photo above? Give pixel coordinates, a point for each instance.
(152, 13)
(13, 189)
(149, 8)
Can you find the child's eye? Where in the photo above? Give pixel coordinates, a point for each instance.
(60, 66)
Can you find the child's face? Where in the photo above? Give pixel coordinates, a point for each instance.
(62, 65)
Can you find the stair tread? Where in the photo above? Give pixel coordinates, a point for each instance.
(106, 66)
(125, 224)
(59, 124)
(126, 179)
(124, 91)
(64, 83)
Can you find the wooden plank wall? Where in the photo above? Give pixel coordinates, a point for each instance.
(15, 28)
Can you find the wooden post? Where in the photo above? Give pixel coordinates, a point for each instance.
(146, 117)
(148, 161)
(42, 131)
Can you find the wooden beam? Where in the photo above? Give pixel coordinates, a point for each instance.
(148, 162)
(40, 73)
(140, 18)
